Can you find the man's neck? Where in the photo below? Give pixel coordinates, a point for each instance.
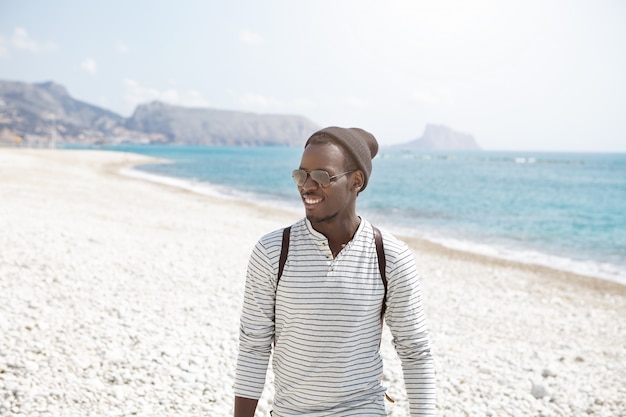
(338, 231)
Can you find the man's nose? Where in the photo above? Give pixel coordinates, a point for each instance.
(309, 184)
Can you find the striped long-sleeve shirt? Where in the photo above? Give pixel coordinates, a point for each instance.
(325, 319)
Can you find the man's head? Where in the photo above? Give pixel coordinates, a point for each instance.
(335, 166)
(359, 146)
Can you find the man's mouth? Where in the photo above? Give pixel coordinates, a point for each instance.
(311, 200)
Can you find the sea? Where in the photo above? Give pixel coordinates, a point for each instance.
(562, 210)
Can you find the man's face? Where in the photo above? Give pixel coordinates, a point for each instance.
(322, 204)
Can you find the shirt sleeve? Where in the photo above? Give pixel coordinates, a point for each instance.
(406, 320)
(256, 332)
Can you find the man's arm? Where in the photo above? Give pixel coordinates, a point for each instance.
(245, 407)
(405, 317)
(256, 332)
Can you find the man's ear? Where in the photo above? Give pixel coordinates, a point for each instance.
(357, 180)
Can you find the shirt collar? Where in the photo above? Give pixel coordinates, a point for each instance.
(320, 237)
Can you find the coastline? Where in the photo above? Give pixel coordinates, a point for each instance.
(416, 243)
(126, 293)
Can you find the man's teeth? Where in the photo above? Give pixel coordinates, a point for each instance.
(312, 200)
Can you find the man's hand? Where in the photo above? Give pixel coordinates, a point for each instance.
(245, 407)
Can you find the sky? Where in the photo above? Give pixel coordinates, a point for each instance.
(517, 75)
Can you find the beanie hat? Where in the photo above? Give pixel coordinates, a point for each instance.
(361, 145)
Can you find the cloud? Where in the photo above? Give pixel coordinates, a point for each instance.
(122, 48)
(135, 94)
(104, 102)
(250, 38)
(89, 66)
(20, 40)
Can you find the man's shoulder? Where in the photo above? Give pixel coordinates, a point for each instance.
(391, 243)
(275, 237)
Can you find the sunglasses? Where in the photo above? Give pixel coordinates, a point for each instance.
(321, 177)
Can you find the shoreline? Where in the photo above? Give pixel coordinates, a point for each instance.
(121, 296)
(416, 242)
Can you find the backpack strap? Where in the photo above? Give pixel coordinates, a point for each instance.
(284, 251)
(382, 265)
(380, 253)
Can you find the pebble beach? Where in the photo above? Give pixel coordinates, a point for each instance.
(121, 297)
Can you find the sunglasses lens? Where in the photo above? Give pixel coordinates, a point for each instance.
(321, 177)
(299, 176)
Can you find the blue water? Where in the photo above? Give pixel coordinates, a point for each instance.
(564, 210)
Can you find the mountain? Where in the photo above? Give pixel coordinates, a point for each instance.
(440, 138)
(45, 113)
(46, 109)
(202, 126)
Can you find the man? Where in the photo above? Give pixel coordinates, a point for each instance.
(324, 313)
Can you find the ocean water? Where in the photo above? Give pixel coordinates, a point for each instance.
(563, 210)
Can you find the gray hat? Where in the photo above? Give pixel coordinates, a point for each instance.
(361, 145)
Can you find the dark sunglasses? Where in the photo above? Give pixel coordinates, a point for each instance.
(321, 177)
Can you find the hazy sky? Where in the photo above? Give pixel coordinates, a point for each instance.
(518, 75)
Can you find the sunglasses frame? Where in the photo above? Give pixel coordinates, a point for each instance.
(323, 182)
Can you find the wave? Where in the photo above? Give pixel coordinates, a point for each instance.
(600, 270)
(209, 189)
(513, 157)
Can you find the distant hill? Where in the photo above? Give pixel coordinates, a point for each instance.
(46, 109)
(440, 138)
(45, 113)
(201, 126)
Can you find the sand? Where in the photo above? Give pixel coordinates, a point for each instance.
(121, 297)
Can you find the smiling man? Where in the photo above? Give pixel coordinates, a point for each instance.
(318, 292)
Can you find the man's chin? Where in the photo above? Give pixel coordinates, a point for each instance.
(312, 218)
(319, 219)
